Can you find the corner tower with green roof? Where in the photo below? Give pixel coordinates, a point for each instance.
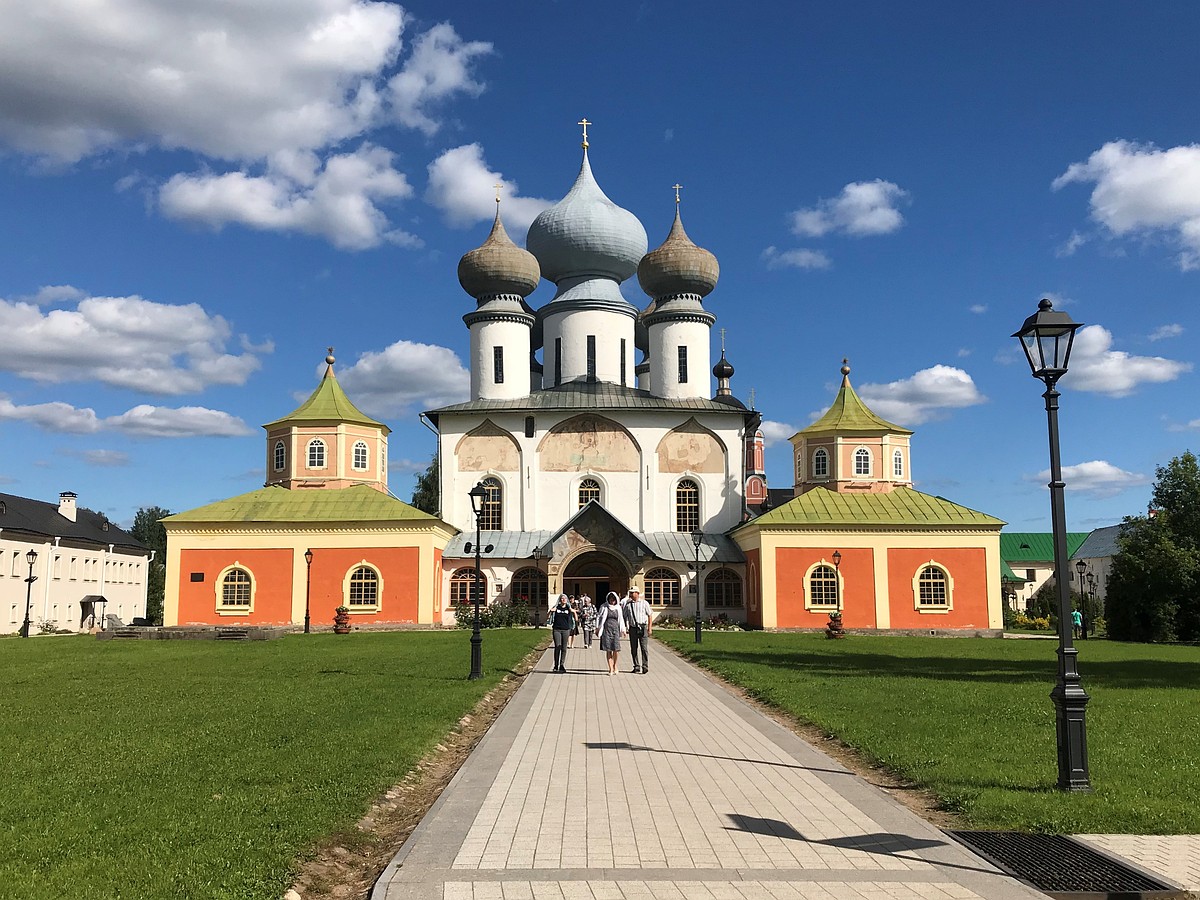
(327, 442)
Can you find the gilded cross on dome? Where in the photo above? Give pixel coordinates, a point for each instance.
(498, 185)
(678, 188)
(585, 123)
(722, 341)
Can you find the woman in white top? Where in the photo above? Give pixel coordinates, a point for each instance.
(610, 626)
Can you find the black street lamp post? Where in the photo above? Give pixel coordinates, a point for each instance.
(1081, 568)
(698, 539)
(1046, 338)
(31, 558)
(837, 579)
(478, 495)
(538, 555)
(1090, 609)
(308, 556)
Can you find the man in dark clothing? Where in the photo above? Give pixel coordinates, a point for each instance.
(562, 620)
(639, 618)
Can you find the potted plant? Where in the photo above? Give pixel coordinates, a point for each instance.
(341, 620)
(834, 629)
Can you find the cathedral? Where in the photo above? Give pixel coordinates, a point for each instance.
(593, 455)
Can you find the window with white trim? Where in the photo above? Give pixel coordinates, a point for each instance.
(823, 587)
(362, 588)
(897, 464)
(360, 456)
(687, 506)
(723, 588)
(862, 461)
(820, 463)
(280, 456)
(462, 587)
(491, 516)
(933, 588)
(589, 490)
(316, 454)
(661, 587)
(530, 586)
(237, 589)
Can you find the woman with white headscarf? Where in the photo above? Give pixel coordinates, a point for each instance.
(610, 627)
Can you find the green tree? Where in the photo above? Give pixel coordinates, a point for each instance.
(426, 495)
(149, 530)
(1154, 586)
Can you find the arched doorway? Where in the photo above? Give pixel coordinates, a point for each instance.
(595, 573)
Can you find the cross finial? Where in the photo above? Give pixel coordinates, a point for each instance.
(498, 185)
(722, 341)
(585, 123)
(752, 398)
(678, 188)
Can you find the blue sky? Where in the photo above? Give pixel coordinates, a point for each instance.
(199, 197)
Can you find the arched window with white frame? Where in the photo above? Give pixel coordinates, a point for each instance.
(687, 506)
(661, 587)
(491, 515)
(862, 462)
(316, 454)
(359, 454)
(280, 456)
(933, 588)
(897, 464)
(723, 588)
(530, 587)
(589, 490)
(462, 587)
(363, 588)
(823, 587)
(235, 590)
(820, 463)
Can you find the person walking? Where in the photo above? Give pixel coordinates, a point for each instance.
(562, 620)
(575, 627)
(639, 620)
(611, 625)
(587, 621)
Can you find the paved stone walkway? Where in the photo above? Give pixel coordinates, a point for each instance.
(1175, 858)
(667, 786)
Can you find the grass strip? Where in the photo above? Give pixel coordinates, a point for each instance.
(971, 720)
(203, 769)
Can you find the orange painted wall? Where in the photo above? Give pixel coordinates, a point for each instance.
(399, 567)
(272, 573)
(967, 567)
(858, 587)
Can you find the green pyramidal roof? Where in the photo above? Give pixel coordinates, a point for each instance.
(328, 403)
(849, 415)
(902, 506)
(359, 503)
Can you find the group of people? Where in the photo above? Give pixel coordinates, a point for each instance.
(629, 616)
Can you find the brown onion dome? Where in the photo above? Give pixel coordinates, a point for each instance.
(498, 267)
(678, 266)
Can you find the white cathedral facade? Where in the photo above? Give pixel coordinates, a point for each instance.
(611, 462)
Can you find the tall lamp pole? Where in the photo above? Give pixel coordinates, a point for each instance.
(1089, 611)
(308, 556)
(538, 555)
(31, 558)
(1081, 568)
(697, 539)
(477, 494)
(837, 579)
(1046, 338)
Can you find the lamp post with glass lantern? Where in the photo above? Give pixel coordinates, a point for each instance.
(31, 558)
(308, 557)
(1081, 568)
(538, 555)
(1089, 609)
(1046, 338)
(837, 580)
(697, 540)
(478, 495)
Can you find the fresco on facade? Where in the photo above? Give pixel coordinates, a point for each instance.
(588, 443)
(691, 448)
(487, 448)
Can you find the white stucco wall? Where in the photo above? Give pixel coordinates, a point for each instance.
(573, 327)
(514, 338)
(665, 340)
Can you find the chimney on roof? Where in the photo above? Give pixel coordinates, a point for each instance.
(66, 505)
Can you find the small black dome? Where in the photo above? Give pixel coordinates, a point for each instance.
(723, 369)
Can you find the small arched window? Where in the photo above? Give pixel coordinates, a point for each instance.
(933, 588)
(491, 517)
(236, 589)
(823, 587)
(462, 587)
(362, 590)
(529, 586)
(662, 587)
(280, 456)
(589, 490)
(821, 463)
(897, 464)
(862, 461)
(687, 506)
(360, 456)
(316, 454)
(723, 588)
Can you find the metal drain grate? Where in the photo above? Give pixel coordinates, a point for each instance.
(1058, 864)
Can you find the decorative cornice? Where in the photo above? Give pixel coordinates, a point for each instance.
(488, 315)
(557, 307)
(703, 316)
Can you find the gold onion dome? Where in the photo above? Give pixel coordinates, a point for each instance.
(678, 266)
(498, 267)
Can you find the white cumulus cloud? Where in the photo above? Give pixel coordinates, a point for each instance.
(338, 200)
(438, 68)
(1166, 331)
(774, 432)
(924, 396)
(406, 373)
(463, 187)
(1096, 367)
(128, 342)
(1097, 477)
(1142, 190)
(799, 258)
(141, 421)
(862, 208)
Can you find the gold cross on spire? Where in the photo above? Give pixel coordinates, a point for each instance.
(498, 185)
(752, 398)
(678, 188)
(585, 123)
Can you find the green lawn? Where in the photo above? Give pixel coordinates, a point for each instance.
(180, 769)
(971, 719)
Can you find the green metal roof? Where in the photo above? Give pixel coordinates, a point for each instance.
(328, 403)
(1007, 574)
(1036, 546)
(902, 506)
(360, 503)
(849, 415)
